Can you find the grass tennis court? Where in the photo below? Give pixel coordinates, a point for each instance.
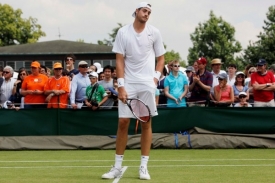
(195, 166)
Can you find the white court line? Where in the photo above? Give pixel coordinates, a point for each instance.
(116, 180)
(180, 160)
(153, 166)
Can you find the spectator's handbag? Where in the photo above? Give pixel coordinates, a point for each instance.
(93, 102)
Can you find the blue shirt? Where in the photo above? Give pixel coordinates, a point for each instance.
(78, 88)
(176, 88)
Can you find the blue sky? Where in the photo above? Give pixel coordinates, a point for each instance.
(92, 20)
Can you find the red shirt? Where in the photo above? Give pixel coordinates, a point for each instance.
(262, 95)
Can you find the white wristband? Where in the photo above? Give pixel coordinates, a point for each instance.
(120, 82)
(157, 75)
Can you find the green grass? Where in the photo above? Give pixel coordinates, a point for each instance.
(195, 166)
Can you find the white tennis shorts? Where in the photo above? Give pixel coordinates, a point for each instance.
(142, 92)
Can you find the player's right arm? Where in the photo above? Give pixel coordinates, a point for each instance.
(120, 64)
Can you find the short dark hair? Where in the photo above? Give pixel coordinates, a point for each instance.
(70, 55)
(108, 67)
(232, 65)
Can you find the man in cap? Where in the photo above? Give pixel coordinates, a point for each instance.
(33, 88)
(57, 88)
(79, 85)
(216, 70)
(201, 84)
(136, 47)
(95, 93)
(263, 84)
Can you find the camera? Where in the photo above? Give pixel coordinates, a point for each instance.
(94, 103)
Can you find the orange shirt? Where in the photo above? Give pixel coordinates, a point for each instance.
(62, 83)
(32, 82)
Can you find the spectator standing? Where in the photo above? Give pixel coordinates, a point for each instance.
(137, 46)
(70, 60)
(17, 98)
(33, 88)
(239, 86)
(176, 87)
(108, 83)
(162, 99)
(195, 65)
(78, 86)
(263, 84)
(57, 88)
(43, 70)
(216, 65)
(7, 84)
(101, 76)
(201, 84)
(95, 93)
(232, 68)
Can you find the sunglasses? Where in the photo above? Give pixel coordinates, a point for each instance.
(23, 74)
(69, 59)
(220, 79)
(176, 65)
(83, 66)
(251, 72)
(242, 96)
(92, 77)
(58, 69)
(240, 76)
(5, 72)
(187, 71)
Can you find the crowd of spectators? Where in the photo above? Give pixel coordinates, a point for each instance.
(95, 87)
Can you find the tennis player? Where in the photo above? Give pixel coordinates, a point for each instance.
(136, 46)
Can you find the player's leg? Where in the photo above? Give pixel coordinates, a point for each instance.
(148, 96)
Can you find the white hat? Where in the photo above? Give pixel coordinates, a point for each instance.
(243, 93)
(82, 63)
(240, 72)
(93, 74)
(7, 104)
(142, 5)
(98, 66)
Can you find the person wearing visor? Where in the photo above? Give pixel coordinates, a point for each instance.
(223, 92)
(242, 98)
(95, 93)
(78, 86)
(263, 84)
(33, 88)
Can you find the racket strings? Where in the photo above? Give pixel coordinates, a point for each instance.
(140, 110)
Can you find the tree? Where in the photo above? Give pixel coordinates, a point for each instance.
(214, 39)
(16, 30)
(265, 46)
(112, 37)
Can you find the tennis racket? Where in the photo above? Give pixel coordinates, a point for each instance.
(139, 109)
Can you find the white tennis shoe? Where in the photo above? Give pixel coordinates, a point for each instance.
(113, 173)
(143, 173)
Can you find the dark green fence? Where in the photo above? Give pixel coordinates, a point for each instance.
(37, 122)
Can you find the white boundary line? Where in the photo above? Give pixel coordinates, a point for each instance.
(116, 180)
(198, 160)
(153, 166)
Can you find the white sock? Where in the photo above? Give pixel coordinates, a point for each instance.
(118, 161)
(144, 161)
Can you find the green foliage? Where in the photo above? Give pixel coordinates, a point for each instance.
(265, 46)
(112, 37)
(16, 30)
(214, 39)
(80, 40)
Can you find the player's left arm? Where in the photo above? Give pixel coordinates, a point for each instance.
(159, 68)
